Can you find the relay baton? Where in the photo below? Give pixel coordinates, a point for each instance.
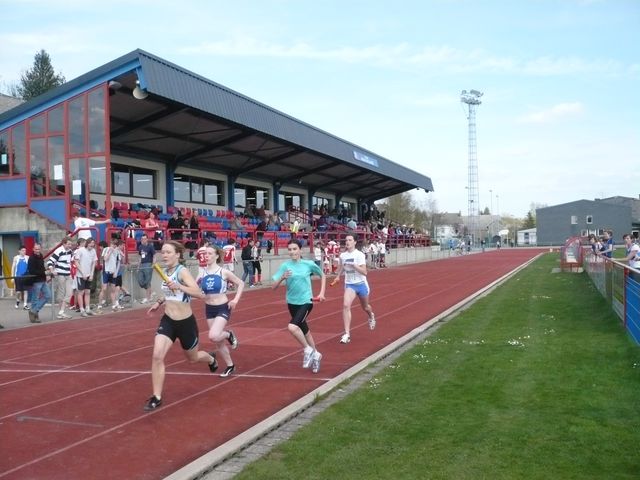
(160, 272)
(163, 275)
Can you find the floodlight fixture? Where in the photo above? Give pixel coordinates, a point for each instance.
(138, 92)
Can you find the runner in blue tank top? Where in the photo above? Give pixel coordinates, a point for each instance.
(213, 280)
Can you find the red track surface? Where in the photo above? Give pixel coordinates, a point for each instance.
(72, 392)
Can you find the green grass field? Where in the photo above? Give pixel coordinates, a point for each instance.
(537, 380)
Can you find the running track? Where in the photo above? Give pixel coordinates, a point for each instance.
(71, 393)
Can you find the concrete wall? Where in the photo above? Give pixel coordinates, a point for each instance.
(271, 263)
(15, 220)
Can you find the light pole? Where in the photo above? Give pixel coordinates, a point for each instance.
(472, 100)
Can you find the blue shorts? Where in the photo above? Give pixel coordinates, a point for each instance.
(214, 311)
(361, 289)
(108, 277)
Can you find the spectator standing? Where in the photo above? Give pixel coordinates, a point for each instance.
(247, 262)
(296, 274)
(147, 253)
(317, 253)
(354, 266)
(607, 244)
(18, 270)
(152, 227)
(85, 259)
(260, 229)
(256, 257)
(596, 246)
(175, 226)
(382, 254)
(59, 265)
(201, 255)
(632, 251)
(229, 257)
(85, 223)
(333, 254)
(121, 292)
(40, 290)
(111, 258)
(194, 226)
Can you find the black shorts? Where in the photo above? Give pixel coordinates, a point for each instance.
(20, 286)
(214, 311)
(83, 284)
(299, 314)
(118, 281)
(186, 330)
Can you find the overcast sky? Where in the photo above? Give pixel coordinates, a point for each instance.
(561, 79)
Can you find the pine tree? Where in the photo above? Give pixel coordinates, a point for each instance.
(529, 221)
(40, 79)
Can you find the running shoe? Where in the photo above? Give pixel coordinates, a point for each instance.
(228, 371)
(89, 312)
(26, 307)
(345, 338)
(143, 301)
(63, 315)
(153, 403)
(213, 366)
(372, 322)
(18, 304)
(233, 340)
(84, 314)
(315, 363)
(306, 359)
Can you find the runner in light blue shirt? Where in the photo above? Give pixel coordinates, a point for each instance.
(296, 273)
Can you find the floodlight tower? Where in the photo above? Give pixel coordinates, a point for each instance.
(472, 99)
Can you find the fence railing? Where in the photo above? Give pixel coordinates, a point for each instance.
(619, 284)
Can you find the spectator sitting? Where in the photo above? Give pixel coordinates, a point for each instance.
(235, 224)
(352, 224)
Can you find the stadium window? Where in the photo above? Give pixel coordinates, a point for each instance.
(574, 219)
(5, 167)
(133, 181)
(589, 219)
(197, 190)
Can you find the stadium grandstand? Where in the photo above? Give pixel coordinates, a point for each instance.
(140, 135)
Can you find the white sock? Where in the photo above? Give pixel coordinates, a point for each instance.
(308, 349)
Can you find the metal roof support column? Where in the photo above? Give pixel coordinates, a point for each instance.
(276, 197)
(338, 200)
(169, 181)
(310, 194)
(231, 192)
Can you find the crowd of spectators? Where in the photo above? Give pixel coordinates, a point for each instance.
(190, 226)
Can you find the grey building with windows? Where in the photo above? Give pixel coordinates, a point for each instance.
(580, 218)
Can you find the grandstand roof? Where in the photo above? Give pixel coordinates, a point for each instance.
(191, 121)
